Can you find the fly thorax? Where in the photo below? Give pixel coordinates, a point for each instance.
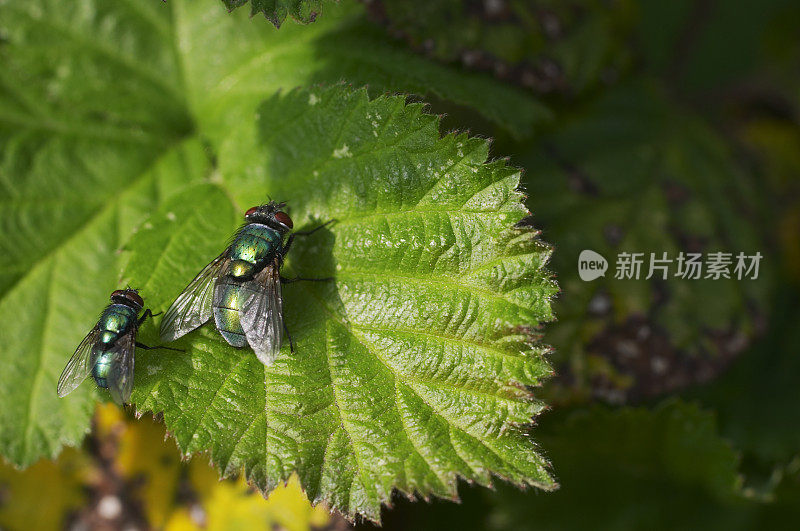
(107, 337)
(256, 244)
(117, 318)
(242, 270)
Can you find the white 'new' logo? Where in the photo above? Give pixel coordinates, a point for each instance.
(591, 265)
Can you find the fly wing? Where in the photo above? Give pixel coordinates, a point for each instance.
(192, 308)
(262, 314)
(120, 373)
(79, 365)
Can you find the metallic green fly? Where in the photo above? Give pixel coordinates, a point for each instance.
(107, 351)
(241, 288)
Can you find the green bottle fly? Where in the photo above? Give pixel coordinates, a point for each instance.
(107, 351)
(241, 288)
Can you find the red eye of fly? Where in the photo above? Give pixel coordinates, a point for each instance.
(251, 210)
(284, 219)
(134, 297)
(118, 293)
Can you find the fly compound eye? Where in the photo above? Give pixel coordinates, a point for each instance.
(284, 219)
(134, 297)
(118, 293)
(250, 211)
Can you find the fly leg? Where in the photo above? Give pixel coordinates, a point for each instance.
(285, 250)
(147, 313)
(289, 336)
(303, 233)
(145, 347)
(285, 280)
(315, 229)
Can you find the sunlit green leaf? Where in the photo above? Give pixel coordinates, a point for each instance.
(414, 366)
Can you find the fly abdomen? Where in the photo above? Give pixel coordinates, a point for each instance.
(230, 296)
(101, 365)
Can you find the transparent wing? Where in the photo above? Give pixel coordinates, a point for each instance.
(262, 314)
(79, 365)
(120, 373)
(192, 308)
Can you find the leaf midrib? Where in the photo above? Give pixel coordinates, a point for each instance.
(112, 202)
(225, 84)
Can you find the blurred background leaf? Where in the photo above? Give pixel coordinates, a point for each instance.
(665, 467)
(276, 11)
(633, 172)
(549, 46)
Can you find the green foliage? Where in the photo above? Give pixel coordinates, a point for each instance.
(763, 429)
(81, 166)
(546, 45)
(415, 365)
(638, 456)
(668, 467)
(692, 45)
(71, 250)
(304, 11)
(130, 107)
(633, 173)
